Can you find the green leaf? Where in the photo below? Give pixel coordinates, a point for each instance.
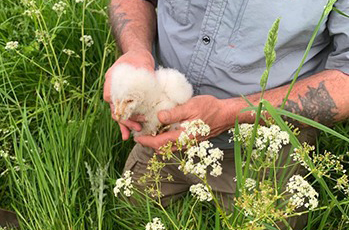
(237, 157)
(340, 12)
(312, 123)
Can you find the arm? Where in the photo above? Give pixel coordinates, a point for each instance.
(323, 97)
(134, 26)
(133, 23)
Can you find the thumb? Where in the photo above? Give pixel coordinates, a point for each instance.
(173, 115)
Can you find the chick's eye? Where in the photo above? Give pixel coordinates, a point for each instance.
(129, 101)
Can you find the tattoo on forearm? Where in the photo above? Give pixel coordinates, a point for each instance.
(317, 104)
(117, 21)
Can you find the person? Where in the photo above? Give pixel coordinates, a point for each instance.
(218, 45)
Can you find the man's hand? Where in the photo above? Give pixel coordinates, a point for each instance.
(212, 111)
(139, 58)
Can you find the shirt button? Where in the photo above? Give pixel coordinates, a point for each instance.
(206, 40)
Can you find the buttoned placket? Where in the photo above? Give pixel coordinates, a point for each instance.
(209, 29)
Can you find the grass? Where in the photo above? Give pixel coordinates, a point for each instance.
(66, 152)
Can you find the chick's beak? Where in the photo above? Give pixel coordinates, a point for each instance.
(116, 110)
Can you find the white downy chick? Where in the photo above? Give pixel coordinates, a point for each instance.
(138, 91)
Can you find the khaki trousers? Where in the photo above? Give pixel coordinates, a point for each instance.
(223, 185)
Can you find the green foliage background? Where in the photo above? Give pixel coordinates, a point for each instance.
(52, 135)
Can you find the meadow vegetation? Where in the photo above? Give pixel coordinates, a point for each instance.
(61, 154)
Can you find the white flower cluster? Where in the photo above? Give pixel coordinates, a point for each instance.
(79, 1)
(274, 136)
(87, 39)
(207, 156)
(42, 36)
(59, 7)
(270, 138)
(155, 225)
(300, 153)
(70, 52)
(4, 153)
(12, 45)
(124, 182)
(58, 85)
(28, 2)
(300, 190)
(31, 13)
(193, 128)
(250, 184)
(201, 192)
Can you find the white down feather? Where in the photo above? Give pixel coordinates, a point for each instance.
(138, 91)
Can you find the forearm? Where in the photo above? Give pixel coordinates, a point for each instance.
(133, 23)
(322, 97)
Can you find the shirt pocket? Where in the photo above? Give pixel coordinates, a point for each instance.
(249, 32)
(179, 10)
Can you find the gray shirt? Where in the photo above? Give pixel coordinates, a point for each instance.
(218, 44)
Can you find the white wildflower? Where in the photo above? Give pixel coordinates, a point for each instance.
(59, 7)
(41, 36)
(31, 13)
(216, 153)
(201, 192)
(57, 85)
(4, 153)
(87, 39)
(274, 136)
(301, 190)
(204, 154)
(183, 138)
(68, 52)
(12, 45)
(79, 1)
(216, 169)
(270, 139)
(196, 127)
(124, 183)
(250, 184)
(29, 3)
(299, 154)
(16, 168)
(155, 225)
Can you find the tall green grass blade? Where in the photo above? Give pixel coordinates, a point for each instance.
(237, 159)
(311, 123)
(340, 12)
(325, 216)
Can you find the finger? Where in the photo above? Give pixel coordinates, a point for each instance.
(125, 132)
(138, 118)
(176, 114)
(159, 140)
(106, 89)
(131, 125)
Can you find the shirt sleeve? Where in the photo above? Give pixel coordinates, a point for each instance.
(338, 27)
